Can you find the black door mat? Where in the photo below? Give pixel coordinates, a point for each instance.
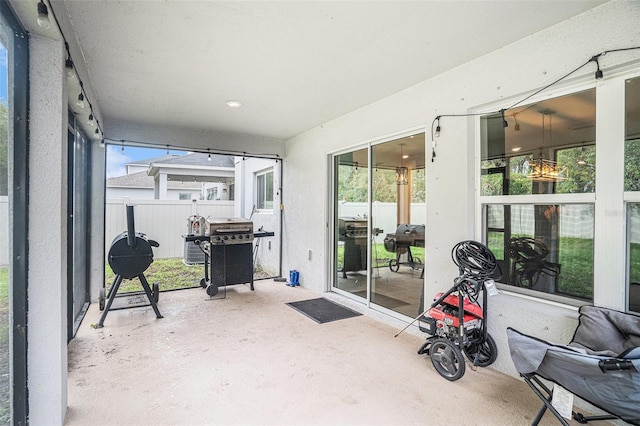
(322, 310)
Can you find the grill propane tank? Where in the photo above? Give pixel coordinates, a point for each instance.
(195, 225)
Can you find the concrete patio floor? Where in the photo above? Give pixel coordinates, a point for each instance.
(251, 359)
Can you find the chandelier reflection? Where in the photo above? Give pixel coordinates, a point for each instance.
(541, 169)
(402, 175)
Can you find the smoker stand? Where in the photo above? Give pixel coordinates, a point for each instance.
(132, 300)
(413, 262)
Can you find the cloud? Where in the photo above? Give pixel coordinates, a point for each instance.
(116, 161)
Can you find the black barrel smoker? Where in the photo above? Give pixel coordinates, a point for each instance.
(129, 257)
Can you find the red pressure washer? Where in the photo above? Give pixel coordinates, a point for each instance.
(456, 322)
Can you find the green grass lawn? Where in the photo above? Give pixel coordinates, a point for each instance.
(170, 274)
(575, 256)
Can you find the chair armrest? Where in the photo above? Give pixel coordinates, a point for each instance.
(615, 364)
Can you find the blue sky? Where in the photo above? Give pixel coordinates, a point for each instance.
(117, 158)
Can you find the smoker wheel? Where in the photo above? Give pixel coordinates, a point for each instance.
(212, 290)
(203, 283)
(155, 291)
(394, 265)
(101, 298)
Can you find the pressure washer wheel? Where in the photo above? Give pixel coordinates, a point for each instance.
(486, 351)
(394, 265)
(447, 359)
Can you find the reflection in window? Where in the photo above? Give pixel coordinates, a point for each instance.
(632, 183)
(5, 369)
(632, 136)
(547, 148)
(545, 248)
(633, 247)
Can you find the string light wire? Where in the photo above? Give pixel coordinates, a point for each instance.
(70, 66)
(598, 75)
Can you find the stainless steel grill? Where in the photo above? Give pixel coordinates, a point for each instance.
(229, 252)
(353, 232)
(230, 231)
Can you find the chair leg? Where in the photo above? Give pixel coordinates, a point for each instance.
(545, 400)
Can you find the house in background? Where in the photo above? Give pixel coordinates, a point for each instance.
(193, 176)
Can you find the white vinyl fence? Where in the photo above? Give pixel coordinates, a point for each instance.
(164, 221)
(384, 215)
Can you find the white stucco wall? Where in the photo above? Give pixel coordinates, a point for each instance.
(47, 306)
(268, 252)
(507, 74)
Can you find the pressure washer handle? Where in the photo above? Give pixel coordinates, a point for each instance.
(409, 325)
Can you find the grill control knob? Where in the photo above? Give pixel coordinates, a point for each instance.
(233, 237)
(239, 237)
(226, 237)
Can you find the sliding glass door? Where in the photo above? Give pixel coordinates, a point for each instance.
(379, 218)
(351, 248)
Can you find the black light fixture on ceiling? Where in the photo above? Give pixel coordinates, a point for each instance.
(599, 73)
(402, 173)
(80, 101)
(209, 156)
(504, 121)
(69, 66)
(43, 16)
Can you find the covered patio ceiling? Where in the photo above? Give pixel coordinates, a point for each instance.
(293, 64)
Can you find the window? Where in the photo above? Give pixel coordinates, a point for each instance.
(183, 196)
(548, 150)
(212, 193)
(632, 184)
(546, 248)
(264, 190)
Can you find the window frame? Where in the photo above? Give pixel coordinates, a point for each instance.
(610, 287)
(18, 92)
(264, 173)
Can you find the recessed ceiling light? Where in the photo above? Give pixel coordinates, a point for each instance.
(405, 156)
(516, 149)
(234, 104)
